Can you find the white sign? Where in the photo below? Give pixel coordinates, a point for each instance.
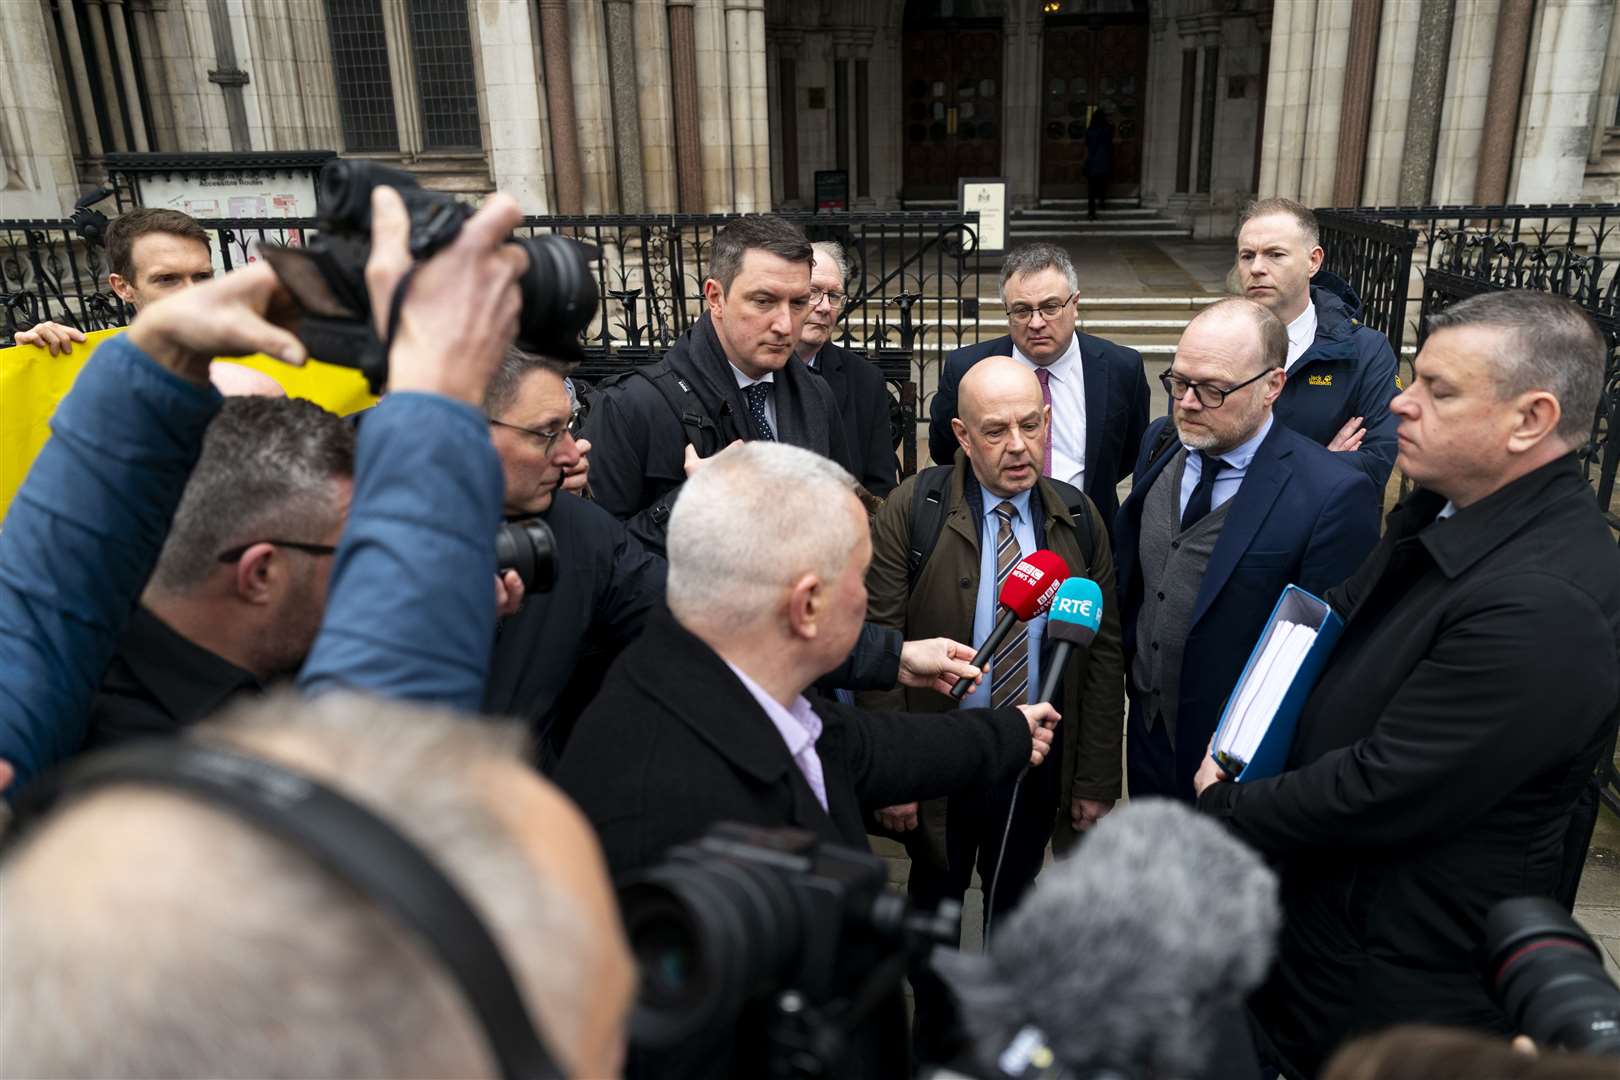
(988, 198)
(237, 193)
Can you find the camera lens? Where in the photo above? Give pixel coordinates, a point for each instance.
(559, 295)
(529, 547)
(1548, 976)
(343, 197)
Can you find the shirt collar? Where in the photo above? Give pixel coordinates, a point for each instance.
(1242, 455)
(1060, 368)
(744, 382)
(1302, 330)
(1020, 503)
(188, 681)
(798, 723)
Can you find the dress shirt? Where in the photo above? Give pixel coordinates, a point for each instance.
(744, 382)
(1446, 511)
(1301, 332)
(1237, 462)
(799, 726)
(1068, 387)
(986, 611)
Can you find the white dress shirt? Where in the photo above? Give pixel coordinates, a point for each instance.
(1237, 461)
(1068, 388)
(744, 382)
(1301, 332)
(799, 727)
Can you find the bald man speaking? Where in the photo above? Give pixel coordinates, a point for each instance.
(971, 521)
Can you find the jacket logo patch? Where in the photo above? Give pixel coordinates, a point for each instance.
(1398, 384)
(1320, 380)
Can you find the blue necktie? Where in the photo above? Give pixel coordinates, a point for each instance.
(756, 408)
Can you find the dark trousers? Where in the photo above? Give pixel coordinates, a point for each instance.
(1150, 761)
(1096, 194)
(974, 824)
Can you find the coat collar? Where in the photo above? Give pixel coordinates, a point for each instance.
(1477, 530)
(1263, 481)
(966, 508)
(188, 681)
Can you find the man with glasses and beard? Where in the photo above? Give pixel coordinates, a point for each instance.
(1225, 514)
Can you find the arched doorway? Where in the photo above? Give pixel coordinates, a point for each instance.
(953, 94)
(1094, 56)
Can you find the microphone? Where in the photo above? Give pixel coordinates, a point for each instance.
(1164, 913)
(1027, 592)
(1072, 623)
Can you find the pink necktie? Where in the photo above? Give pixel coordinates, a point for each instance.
(1046, 398)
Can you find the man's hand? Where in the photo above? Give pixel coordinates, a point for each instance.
(577, 476)
(902, 818)
(237, 314)
(1087, 812)
(508, 593)
(936, 664)
(1350, 436)
(1042, 719)
(53, 337)
(462, 308)
(1208, 772)
(694, 463)
(7, 774)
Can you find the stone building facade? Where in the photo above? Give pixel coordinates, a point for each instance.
(657, 106)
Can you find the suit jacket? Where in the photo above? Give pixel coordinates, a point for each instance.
(1470, 697)
(1116, 410)
(1303, 516)
(863, 403)
(675, 743)
(942, 603)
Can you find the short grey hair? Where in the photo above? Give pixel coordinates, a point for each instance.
(1179, 922)
(1272, 334)
(1032, 259)
(266, 471)
(1547, 343)
(508, 378)
(755, 232)
(194, 944)
(832, 251)
(1303, 217)
(753, 520)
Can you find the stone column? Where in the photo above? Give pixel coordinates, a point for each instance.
(97, 16)
(1356, 108)
(1210, 65)
(840, 89)
(1329, 51)
(593, 106)
(152, 68)
(787, 110)
(1187, 118)
(37, 175)
(565, 160)
(715, 104)
(1428, 94)
(81, 79)
(684, 75)
(1565, 71)
(1462, 121)
(760, 109)
(1021, 112)
(126, 74)
(657, 105)
(513, 94)
(1502, 101)
(1608, 90)
(1293, 136)
(1392, 89)
(738, 75)
(621, 56)
(863, 128)
(1271, 118)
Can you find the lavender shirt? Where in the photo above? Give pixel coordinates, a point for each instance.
(800, 727)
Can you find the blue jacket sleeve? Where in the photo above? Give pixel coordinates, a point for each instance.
(1376, 389)
(411, 608)
(81, 539)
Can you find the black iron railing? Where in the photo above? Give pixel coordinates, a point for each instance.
(913, 284)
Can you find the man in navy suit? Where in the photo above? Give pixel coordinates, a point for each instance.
(1097, 390)
(1223, 514)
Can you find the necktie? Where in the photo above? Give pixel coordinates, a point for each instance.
(1046, 399)
(1199, 504)
(756, 408)
(1009, 668)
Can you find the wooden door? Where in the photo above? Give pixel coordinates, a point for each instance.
(952, 109)
(1085, 69)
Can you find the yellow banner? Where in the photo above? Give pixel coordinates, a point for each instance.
(32, 382)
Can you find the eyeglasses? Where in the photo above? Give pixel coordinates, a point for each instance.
(1209, 395)
(236, 553)
(1022, 313)
(547, 439)
(835, 300)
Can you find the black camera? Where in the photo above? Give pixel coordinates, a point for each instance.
(1547, 975)
(748, 916)
(327, 276)
(528, 546)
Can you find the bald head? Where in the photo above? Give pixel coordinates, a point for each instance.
(1248, 323)
(1002, 424)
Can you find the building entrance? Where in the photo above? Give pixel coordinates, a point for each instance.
(953, 95)
(1085, 69)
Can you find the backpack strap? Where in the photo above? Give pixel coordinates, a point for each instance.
(1081, 509)
(927, 516)
(701, 429)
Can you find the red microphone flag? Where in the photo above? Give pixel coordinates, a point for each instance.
(1033, 583)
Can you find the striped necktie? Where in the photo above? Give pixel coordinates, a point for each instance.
(1009, 668)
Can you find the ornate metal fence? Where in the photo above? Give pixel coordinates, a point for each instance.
(912, 284)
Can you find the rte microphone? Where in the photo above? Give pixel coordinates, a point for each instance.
(1026, 593)
(1072, 623)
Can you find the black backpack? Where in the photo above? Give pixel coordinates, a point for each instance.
(928, 515)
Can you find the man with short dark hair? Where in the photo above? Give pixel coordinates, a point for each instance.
(1097, 390)
(1467, 702)
(238, 592)
(733, 376)
(1341, 372)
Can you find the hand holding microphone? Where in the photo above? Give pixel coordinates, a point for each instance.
(1042, 719)
(1027, 592)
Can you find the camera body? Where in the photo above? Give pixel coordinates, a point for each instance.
(327, 276)
(1547, 975)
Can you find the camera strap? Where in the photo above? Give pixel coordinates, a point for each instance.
(396, 306)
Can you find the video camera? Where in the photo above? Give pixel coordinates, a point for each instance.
(327, 276)
(1547, 975)
(748, 917)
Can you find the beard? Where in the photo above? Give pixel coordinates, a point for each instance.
(1195, 438)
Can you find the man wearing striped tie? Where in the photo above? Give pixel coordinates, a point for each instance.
(939, 573)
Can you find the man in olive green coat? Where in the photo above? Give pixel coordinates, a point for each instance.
(998, 507)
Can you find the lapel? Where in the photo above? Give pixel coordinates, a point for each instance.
(1094, 373)
(1268, 473)
(1129, 520)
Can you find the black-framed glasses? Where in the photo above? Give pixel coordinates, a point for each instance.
(833, 297)
(1209, 395)
(1021, 313)
(548, 439)
(297, 545)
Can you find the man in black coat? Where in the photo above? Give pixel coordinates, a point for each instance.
(857, 384)
(1471, 696)
(704, 719)
(732, 376)
(1098, 391)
